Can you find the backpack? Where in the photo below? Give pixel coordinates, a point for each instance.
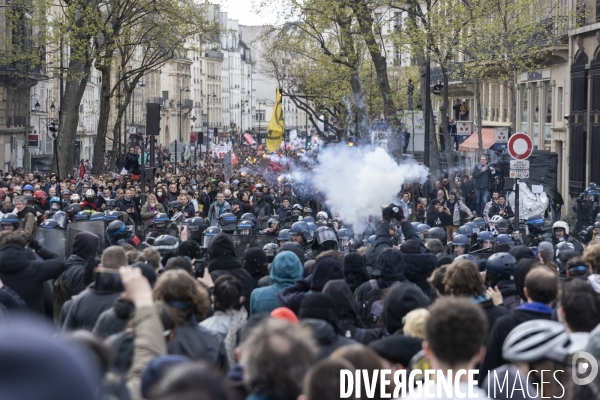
(371, 305)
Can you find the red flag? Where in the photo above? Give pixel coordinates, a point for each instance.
(234, 159)
(81, 170)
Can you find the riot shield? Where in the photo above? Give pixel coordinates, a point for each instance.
(243, 242)
(95, 227)
(54, 240)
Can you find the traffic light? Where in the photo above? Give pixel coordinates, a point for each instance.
(216, 132)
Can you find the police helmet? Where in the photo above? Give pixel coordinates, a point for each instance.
(371, 240)
(301, 228)
(97, 216)
(82, 216)
(502, 265)
(460, 240)
(271, 250)
(196, 227)
(297, 210)
(309, 219)
(165, 243)
(437, 233)
(111, 203)
(486, 237)
(284, 235)
(321, 215)
(209, 234)
(160, 220)
(465, 230)
(272, 221)
(75, 198)
(504, 238)
(467, 257)
(245, 227)
(248, 217)
(503, 226)
(113, 215)
(62, 219)
(10, 219)
(480, 222)
(27, 188)
(308, 211)
(325, 234)
(54, 204)
(227, 222)
(116, 230)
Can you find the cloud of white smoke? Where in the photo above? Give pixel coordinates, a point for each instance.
(357, 181)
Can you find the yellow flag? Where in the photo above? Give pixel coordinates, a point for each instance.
(276, 125)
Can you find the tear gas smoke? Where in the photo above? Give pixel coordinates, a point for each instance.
(357, 181)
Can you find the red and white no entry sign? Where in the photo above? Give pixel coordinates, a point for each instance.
(520, 146)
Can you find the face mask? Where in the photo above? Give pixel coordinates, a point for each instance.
(159, 193)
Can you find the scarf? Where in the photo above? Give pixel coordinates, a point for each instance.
(238, 318)
(151, 208)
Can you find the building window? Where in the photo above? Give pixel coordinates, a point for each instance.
(260, 115)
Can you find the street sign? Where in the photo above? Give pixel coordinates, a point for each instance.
(464, 128)
(519, 164)
(519, 173)
(520, 146)
(500, 135)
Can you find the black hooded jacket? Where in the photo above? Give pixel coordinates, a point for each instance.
(70, 283)
(20, 272)
(114, 320)
(355, 272)
(326, 337)
(419, 267)
(199, 343)
(83, 310)
(223, 261)
(349, 323)
(389, 265)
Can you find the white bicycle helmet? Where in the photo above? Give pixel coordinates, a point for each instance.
(561, 224)
(495, 219)
(535, 340)
(75, 198)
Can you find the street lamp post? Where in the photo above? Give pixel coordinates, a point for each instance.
(195, 144)
(142, 84)
(208, 97)
(187, 90)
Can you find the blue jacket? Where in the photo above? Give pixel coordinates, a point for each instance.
(285, 271)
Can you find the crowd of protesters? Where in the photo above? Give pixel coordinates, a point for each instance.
(150, 323)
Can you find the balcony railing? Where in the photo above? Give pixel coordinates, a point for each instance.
(213, 54)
